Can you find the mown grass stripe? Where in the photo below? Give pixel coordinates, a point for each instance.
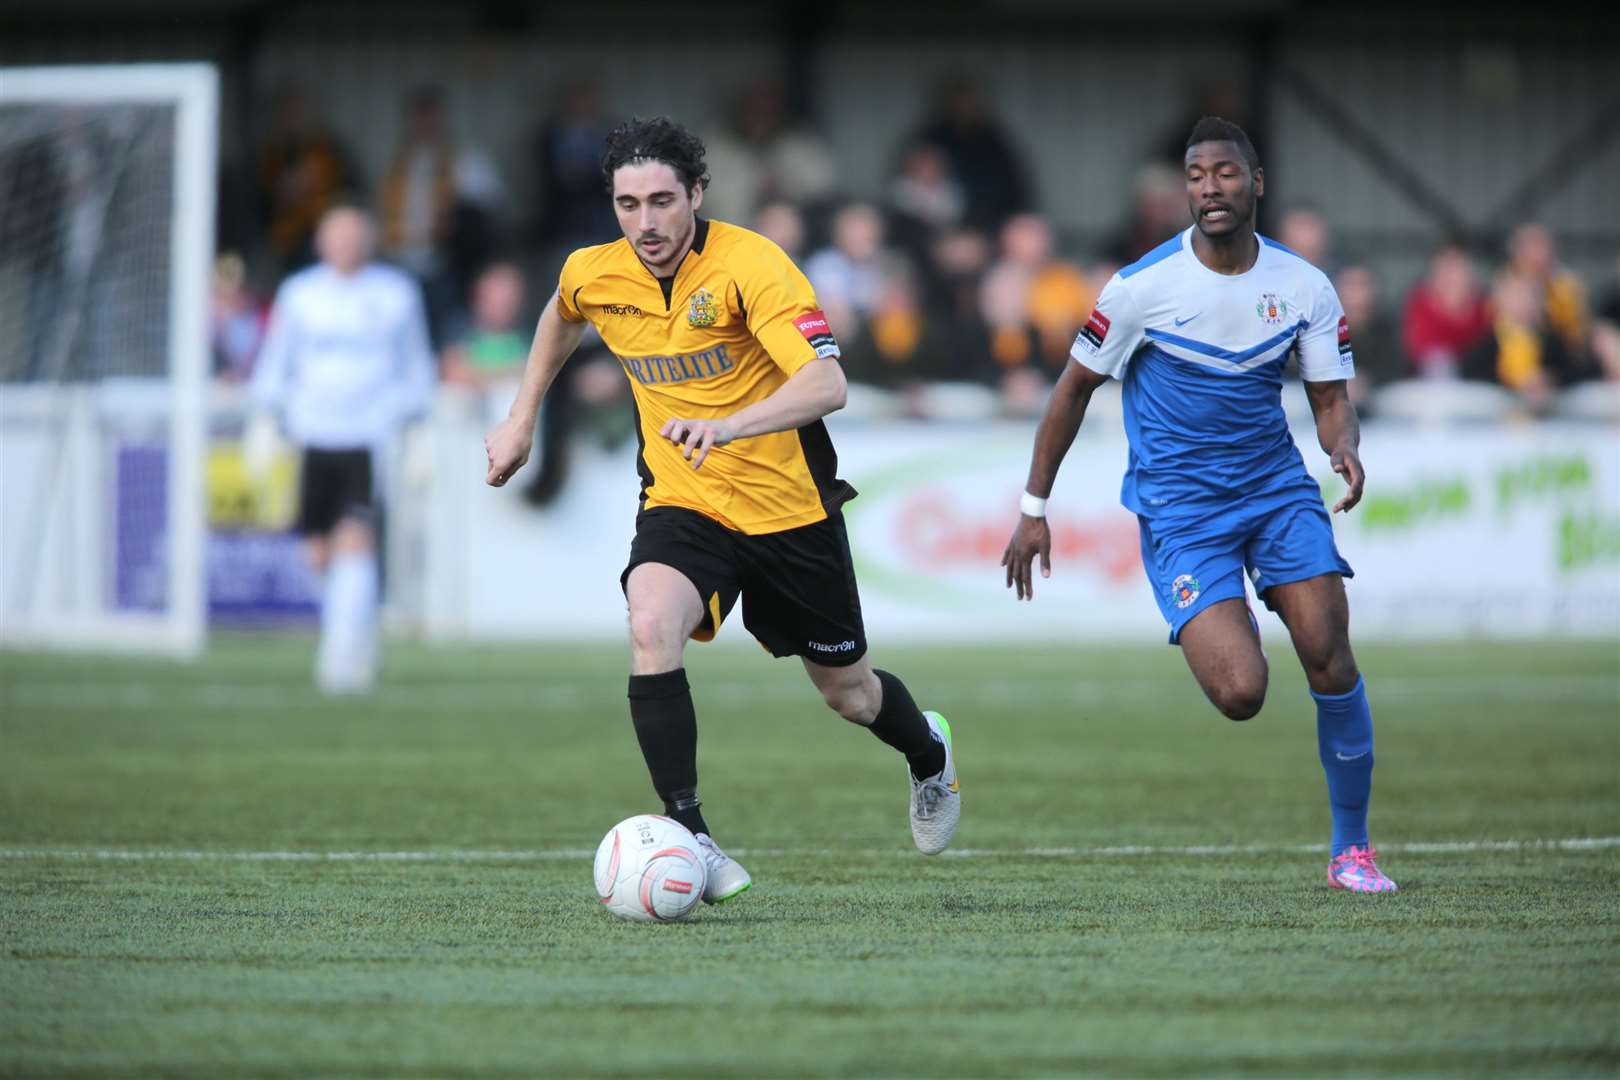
(1419, 847)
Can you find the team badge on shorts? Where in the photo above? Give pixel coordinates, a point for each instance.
(1272, 309)
(1185, 590)
(702, 311)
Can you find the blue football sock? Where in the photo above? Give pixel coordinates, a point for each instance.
(1344, 736)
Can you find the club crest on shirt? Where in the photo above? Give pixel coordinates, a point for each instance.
(1184, 590)
(1272, 309)
(702, 311)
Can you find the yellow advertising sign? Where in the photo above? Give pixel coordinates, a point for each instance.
(235, 501)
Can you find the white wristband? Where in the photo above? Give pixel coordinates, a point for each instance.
(1032, 506)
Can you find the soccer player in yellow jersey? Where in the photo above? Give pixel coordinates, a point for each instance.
(732, 366)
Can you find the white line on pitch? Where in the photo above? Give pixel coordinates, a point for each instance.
(500, 695)
(1434, 847)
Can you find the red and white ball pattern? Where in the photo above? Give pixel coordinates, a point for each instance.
(649, 869)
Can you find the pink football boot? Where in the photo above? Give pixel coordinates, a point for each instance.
(1355, 871)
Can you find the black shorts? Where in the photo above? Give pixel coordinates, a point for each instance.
(333, 485)
(797, 586)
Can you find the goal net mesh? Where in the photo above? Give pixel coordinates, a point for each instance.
(87, 370)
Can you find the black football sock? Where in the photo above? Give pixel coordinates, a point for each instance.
(666, 727)
(902, 725)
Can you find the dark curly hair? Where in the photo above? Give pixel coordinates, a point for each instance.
(1214, 129)
(658, 139)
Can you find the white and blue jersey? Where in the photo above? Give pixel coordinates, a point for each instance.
(1201, 356)
(1214, 475)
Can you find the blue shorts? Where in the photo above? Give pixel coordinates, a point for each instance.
(1195, 562)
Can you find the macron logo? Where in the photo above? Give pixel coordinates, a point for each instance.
(837, 647)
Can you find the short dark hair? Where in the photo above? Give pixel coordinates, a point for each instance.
(658, 139)
(1215, 129)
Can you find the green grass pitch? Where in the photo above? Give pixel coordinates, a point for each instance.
(144, 932)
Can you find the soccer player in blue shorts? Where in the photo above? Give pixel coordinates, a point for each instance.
(1199, 330)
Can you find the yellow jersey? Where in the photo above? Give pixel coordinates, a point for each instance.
(736, 320)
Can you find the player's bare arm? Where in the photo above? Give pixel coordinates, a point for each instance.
(1338, 429)
(508, 444)
(816, 389)
(1065, 409)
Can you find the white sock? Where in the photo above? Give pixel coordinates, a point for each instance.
(347, 662)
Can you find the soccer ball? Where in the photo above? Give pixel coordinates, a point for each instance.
(650, 869)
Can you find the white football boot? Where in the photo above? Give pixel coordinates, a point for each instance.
(936, 803)
(725, 876)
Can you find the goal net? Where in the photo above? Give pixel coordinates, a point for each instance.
(107, 181)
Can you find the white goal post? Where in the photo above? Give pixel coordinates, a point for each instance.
(107, 202)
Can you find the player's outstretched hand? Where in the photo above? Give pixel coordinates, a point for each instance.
(508, 448)
(697, 437)
(1348, 465)
(1031, 537)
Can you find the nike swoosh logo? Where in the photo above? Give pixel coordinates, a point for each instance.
(1351, 757)
(1188, 319)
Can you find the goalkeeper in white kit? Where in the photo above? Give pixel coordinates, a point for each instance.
(346, 364)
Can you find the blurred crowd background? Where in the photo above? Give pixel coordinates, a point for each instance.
(957, 181)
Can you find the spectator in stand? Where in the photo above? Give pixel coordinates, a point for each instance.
(783, 224)
(1034, 304)
(1606, 333)
(1304, 231)
(925, 191)
(1373, 336)
(1446, 315)
(1158, 211)
(1521, 352)
(925, 204)
(237, 320)
(848, 274)
(493, 344)
(906, 349)
(765, 154)
(439, 200)
(568, 152)
(888, 355)
(303, 172)
(983, 159)
(1533, 256)
(1219, 95)
(487, 355)
(960, 258)
(913, 336)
